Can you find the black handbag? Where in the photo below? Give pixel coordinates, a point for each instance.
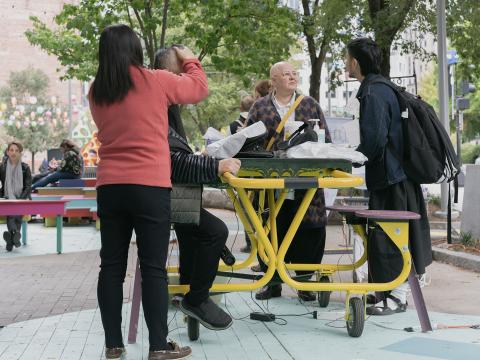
(254, 148)
(298, 137)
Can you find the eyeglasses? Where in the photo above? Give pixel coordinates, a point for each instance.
(288, 74)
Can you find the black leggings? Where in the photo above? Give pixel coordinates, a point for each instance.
(307, 246)
(145, 209)
(14, 223)
(200, 248)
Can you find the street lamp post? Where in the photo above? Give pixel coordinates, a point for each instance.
(442, 85)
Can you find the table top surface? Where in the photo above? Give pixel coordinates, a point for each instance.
(283, 167)
(29, 207)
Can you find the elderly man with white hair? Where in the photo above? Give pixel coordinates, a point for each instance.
(309, 242)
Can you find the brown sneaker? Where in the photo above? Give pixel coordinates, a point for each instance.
(176, 352)
(117, 353)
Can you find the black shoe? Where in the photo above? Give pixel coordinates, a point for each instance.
(373, 299)
(385, 309)
(7, 236)
(227, 256)
(306, 295)
(269, 291)
(208, 314)
(246, 249)
(16, 238)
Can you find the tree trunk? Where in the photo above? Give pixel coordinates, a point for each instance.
(315, 79)
(33, 162)
(315, 61)
(385, 64)
(387, 22)
(164, 23)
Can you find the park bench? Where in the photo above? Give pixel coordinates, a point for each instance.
(55, 207)
(77, 206)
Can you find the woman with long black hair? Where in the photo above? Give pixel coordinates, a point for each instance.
(129, 106)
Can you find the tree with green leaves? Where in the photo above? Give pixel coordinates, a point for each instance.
(326, 26)
(28, 116)
(388, 19)
(464, 31)
(239, 37)
(242, 37)
(218, 110)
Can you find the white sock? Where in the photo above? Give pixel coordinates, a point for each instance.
(401, 292)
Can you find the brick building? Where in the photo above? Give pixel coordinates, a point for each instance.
(17, 54)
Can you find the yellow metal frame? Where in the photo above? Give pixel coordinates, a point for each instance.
(264, 237)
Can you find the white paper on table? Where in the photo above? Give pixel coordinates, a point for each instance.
(213, 134)
(231, 145)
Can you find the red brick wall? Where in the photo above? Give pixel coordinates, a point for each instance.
(16, 53)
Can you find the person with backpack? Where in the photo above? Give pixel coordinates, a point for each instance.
(382, 142)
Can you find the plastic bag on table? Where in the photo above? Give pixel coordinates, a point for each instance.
(318, 150)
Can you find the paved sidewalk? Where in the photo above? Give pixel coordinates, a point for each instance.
(79, 336)
(46, 285)
(49, 308)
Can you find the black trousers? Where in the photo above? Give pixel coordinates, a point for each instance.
(200, 249)
(307, 246)
(14, 223)
(384, 259)
(145, 209)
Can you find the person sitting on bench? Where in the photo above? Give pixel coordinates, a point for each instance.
(70, 167)
(16, 179)
(200, 245)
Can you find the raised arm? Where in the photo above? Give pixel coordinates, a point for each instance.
(190, 87)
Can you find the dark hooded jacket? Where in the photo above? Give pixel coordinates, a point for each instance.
(188, 168)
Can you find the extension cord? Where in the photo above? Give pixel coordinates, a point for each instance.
(261, 316)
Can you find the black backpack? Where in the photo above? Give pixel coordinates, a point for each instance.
(428, 154)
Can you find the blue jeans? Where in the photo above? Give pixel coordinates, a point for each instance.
(54, 177)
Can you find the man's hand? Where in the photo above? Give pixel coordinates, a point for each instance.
(184, 53)
(229, 165)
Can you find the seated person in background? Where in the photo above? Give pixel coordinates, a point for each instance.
(70, 167)
(45, 169)
(239, 124)
(200, 245)
(262, 88)
(16, 179)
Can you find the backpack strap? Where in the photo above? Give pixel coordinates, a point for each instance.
(285, 117)
(397, 90)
